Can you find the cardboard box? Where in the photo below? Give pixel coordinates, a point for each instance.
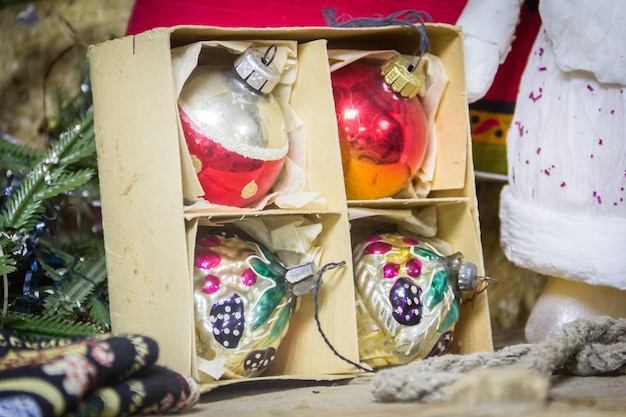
(146, 177)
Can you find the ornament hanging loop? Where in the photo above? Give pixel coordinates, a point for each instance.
(412, 66)
(481, 286)
(256, 69)
(267, 59)
(483, 283)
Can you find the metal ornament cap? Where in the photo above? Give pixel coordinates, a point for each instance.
(257, 71)
(402, 81)
(301, 278)
(466, 277)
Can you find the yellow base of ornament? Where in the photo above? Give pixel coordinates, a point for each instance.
(367, 181)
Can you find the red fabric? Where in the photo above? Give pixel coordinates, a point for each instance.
(506, 82)
(148, 14)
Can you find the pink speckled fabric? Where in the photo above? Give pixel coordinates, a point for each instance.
(563, 212)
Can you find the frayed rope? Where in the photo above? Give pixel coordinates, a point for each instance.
(584, 347)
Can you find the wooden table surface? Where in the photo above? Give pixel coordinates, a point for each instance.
(569, 396)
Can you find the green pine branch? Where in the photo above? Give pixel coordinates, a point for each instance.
(6, 266)
(23, 207)
(61, 182)
(53, 273)
(83, 147)
(89, 246)
(77, 302)
(69, 109)
(17, 156)
(57, 172)
(37, 327)
(98, 310)
(67, 300)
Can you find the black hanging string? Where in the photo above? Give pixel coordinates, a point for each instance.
(411, 18)
(269, 55)
(318, 284)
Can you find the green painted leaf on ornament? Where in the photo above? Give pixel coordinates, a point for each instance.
(263, 268)
(268, 266)
(437, 290)
(279, 327)
(266, 305)
(419, 251)
(450, 320)
(273, 260)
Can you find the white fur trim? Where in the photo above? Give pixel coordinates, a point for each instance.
(580, 247)
(588, 35)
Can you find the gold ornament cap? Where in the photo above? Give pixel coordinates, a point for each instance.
(402, 81)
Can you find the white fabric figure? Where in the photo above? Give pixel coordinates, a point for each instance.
(488, 31)
(563, 212)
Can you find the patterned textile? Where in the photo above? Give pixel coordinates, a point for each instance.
(99, 376)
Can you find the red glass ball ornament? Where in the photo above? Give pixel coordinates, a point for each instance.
(383, 135)
(227, 177)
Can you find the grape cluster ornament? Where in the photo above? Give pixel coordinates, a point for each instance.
(244, 297)
(408, 298)
(235, 128)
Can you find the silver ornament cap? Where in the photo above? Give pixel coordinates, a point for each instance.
(257, 70)
(466, 277)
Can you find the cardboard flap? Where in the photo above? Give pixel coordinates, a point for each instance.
(142, 202)
(458, 225)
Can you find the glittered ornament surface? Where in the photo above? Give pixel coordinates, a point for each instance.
(242, 304)
(383, 135)
(408, 299)
(235, 133)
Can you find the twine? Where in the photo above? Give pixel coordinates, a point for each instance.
(584, 347)
(411, 18)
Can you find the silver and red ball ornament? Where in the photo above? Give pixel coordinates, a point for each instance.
(234, 128)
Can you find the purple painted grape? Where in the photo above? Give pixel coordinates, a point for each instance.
(441, 347)
(227, 318)
(258, 360)
(405, 297)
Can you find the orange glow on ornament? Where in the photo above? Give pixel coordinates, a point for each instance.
(382, 135)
